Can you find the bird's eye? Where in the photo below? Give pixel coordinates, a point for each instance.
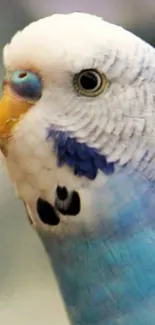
(26, 84)
(90, 82)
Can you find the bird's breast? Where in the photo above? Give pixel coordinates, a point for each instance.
(106, 280)
(107, 275)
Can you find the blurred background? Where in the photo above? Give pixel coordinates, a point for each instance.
(28, 291)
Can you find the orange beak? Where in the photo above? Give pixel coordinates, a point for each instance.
(12, 109)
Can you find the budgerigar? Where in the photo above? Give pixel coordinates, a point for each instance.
(77, 131)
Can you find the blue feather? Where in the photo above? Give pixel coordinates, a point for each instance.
(71, 148)
(84, 160)
(82, 152)
(108, 276)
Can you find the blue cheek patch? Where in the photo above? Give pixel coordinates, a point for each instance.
(84, 160)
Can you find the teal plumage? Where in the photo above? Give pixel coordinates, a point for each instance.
(108, 276)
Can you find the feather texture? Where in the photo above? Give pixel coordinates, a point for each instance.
(107, 276)
(84, 160)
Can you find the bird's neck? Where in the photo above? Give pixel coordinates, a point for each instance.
(110, 278)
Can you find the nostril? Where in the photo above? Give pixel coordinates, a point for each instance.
(47, 213)
(22, 75)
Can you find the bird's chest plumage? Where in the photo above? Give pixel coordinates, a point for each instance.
(107, 281)
(107, 276)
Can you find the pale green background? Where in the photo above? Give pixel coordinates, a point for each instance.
(28, 292)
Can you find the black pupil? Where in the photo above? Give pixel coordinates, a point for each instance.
(88, 81)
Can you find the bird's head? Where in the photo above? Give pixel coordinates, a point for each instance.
(78, 100)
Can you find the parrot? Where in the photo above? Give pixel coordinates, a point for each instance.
(77, 136)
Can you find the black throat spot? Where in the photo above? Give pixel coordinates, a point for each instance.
(47, 213)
